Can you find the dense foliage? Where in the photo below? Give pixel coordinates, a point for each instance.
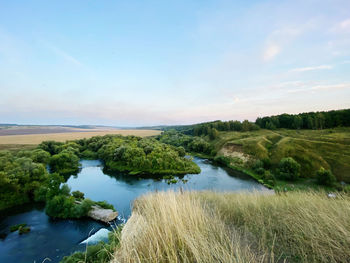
(64, 156)
(24, 179)
(289, 169)
(310, 120)
(138, 155)
(211, 128)
(189, 143)
(325, 177)
(20, 177)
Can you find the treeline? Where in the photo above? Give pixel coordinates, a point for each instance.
(309, 120)
(211, 128)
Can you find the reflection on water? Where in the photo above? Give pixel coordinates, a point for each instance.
(53, 239)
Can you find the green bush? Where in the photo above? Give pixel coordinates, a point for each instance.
(258, 167)
(40, 156)
(346, 189)
(24, 230)
(269, 178)
(17, 227)
(78, 195)
(258, 164)
(88, 154)
(105, 205)
(266, 163)
(289, 169)
(65, 163)
(325, 177)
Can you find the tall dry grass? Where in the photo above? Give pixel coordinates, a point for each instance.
(297, 227)
(172, 227)
(213, 227)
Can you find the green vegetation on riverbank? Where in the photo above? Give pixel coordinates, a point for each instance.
(21, 175)
(137, 155)
(230, 227)
(259, 153)
(22, 228)
(101, 252)
(24, 178)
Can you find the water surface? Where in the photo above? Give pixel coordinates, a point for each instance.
(55, 238)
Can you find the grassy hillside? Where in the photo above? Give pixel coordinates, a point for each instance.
(213, 227)
(312, 149)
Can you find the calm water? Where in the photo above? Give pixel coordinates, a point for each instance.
(55, 238)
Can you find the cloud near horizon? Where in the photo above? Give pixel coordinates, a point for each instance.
(312, 68)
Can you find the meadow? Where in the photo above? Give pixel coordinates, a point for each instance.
(230, 227)
(312, 149)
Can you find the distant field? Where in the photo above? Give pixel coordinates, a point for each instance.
(42, 129)
(10, 141)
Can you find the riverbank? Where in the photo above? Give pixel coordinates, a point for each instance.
(259, 153)
(58, 237)
(229, 165)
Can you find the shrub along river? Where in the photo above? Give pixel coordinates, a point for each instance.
(53, 239)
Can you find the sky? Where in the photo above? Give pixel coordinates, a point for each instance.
(137, 63)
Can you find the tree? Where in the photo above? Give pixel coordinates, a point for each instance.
(40, 156)
(213, 134)
(297, 122)
(66, 162)
(325, 177)
(245, 125)
(289, 169)
(270, 126)
(237, 126)
(51, 147)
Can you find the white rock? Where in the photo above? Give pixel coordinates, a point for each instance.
(331, 195)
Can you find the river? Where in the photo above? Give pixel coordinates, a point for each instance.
(53, 239)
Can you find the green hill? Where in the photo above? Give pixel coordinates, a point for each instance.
(312, 149)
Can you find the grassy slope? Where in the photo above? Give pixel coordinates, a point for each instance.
(311, 148)
(213, 227)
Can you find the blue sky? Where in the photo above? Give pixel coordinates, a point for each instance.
(133, 63)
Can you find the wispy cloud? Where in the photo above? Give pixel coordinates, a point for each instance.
(321, 67)
(321, 87)
(271, 51)
(343, 26)
(331, 86)
(63, 54)
(66, 56)
(281, 37)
